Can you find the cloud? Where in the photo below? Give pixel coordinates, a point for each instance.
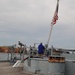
(29, 21)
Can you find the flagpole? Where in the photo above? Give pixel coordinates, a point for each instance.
(50, 34)
(54, 20)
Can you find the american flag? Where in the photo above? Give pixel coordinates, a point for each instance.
(55, 17)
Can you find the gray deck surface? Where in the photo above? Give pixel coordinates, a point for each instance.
(7, 69)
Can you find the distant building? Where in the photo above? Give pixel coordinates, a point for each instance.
(6, 49)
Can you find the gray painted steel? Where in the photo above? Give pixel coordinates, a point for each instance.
(42, 66)
(70, 68)
(56, 68)
(69, 64)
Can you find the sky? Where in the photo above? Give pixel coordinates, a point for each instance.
(29, 21)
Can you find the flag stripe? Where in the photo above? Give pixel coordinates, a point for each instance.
(55, 17)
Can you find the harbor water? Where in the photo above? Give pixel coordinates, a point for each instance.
(7, 56)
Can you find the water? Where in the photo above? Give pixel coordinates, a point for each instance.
(6, 56)
(9, 56)
(3, 56)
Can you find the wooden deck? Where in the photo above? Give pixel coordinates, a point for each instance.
(7, 69)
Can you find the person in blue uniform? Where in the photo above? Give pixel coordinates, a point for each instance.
(41, 49)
